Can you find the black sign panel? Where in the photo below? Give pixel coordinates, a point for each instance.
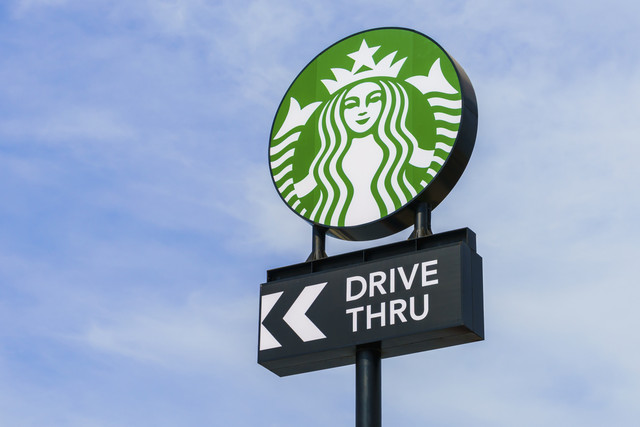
(411, 296)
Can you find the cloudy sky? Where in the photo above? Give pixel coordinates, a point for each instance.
(138, 218)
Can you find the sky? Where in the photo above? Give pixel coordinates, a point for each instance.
(138, 217)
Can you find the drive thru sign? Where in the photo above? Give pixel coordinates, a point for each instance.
(369, 138)
(410, 296)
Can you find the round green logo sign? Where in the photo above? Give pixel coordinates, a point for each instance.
(367, 128)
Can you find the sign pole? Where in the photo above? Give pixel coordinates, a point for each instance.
(318, 239)
(368, 386)
(422, 225)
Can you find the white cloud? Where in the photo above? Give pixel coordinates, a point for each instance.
(71, 125)
(204, 334)
(266, 225)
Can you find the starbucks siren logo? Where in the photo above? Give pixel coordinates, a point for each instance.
(365, 128)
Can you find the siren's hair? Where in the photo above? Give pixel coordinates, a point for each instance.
(390, 186)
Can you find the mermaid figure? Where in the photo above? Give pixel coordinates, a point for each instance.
(365, 152)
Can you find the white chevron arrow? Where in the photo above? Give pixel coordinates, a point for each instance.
(267, 340)
(297, 318)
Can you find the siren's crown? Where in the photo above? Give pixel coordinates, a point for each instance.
(364, 56)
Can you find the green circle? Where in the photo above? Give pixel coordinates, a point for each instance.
(365, 128)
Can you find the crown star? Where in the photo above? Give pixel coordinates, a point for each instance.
(364, 56)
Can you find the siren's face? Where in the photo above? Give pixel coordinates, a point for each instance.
(362, 106)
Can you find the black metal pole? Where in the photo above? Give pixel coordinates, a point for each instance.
(318, 239)
(368, 387)
(422, 226)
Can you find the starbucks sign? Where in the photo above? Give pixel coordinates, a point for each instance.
(375, 125)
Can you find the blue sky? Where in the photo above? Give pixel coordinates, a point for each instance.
(138, 217)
